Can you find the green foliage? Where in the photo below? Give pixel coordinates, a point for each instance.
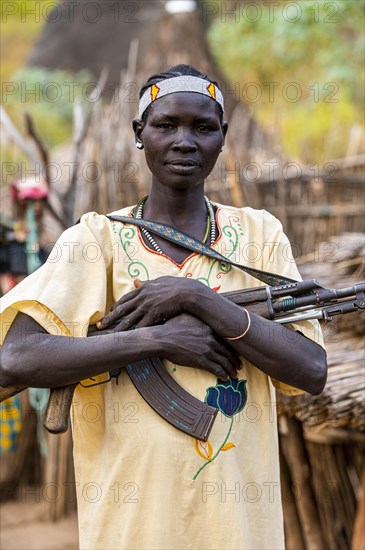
(21, 21)
(319, 47)
(49, 96)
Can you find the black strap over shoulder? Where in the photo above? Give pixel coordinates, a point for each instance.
(176, 236)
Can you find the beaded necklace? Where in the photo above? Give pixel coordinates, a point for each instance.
(210, 230)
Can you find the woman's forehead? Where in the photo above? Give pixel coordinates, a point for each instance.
(182, 103)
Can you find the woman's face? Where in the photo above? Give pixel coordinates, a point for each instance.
(182, 139)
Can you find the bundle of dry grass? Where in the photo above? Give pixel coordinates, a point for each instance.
(339, 263)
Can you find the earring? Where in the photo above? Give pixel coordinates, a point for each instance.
(222, 148)
(139, 145)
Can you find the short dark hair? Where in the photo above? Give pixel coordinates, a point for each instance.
(177, 70)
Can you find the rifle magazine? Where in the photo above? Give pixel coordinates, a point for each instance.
(175, 405)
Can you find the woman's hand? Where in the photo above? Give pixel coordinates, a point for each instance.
(152, 302)
(185, 340)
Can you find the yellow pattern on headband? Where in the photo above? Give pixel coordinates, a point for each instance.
(155, 90)
(211, 90)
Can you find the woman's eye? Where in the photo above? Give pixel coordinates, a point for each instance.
(203, 129)
(165, 126)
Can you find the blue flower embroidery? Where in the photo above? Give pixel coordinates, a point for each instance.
(229, 397)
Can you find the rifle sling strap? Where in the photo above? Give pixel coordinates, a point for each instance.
(176, 236)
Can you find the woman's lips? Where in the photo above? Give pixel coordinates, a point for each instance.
(183, 166)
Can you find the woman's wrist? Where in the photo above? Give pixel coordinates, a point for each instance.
(155, 340)
(245, 329)
(226, 318)
(198, 299)
(142, 342)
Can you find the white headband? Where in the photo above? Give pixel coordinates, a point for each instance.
(180, 84)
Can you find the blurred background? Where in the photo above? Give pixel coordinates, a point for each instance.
(293, 78)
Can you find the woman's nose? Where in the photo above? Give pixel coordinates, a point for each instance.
(184, 140)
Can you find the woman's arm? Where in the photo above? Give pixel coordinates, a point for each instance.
(30, 356)
(278, 351)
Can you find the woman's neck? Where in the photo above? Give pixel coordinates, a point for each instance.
(175, 207)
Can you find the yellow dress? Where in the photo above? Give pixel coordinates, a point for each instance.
(134, 471)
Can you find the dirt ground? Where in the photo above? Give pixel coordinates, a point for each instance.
(23, 527)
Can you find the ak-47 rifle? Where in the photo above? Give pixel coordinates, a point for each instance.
(286, 303)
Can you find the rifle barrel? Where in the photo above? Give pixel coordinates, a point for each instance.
(350, 290)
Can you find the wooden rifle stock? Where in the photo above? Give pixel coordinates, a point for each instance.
(166, 397)
(57, 413)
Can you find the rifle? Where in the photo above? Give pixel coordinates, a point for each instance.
(286, 303)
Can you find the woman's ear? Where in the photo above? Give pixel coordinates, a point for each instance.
(138, 126)
(224, 129)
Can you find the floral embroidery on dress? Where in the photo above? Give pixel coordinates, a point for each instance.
(126, 236)
(230, 399)
(232, 231)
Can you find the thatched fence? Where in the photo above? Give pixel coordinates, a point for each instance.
(323, 437)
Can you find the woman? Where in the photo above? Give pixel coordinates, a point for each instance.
(141, 482)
